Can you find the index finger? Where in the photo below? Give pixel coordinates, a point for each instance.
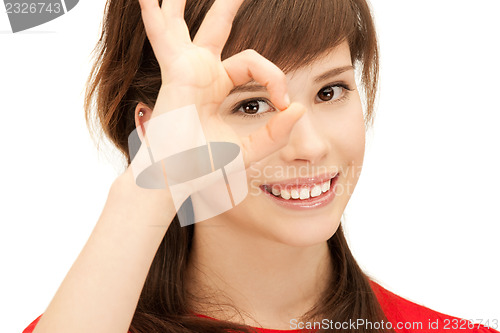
(217, 24)
(154, 22)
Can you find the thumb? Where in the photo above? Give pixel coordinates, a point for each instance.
(272, 136)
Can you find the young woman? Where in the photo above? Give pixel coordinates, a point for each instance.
(276, 77)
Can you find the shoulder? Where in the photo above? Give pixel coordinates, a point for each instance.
(408, 316)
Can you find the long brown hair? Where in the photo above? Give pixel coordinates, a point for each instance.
(290, 33)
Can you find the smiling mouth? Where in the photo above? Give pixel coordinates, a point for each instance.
(299, 192)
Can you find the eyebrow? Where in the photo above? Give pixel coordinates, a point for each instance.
(332, 73)
(253, 86)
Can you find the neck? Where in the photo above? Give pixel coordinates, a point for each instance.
(270, 283)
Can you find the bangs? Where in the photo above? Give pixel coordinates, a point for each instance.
(292, 33)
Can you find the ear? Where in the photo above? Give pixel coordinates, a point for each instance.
(146, 115)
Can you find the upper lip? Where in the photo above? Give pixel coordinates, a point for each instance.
(304, 180)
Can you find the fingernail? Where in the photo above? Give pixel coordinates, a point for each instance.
(287, 100)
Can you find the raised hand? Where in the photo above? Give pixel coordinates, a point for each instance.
(193, 73)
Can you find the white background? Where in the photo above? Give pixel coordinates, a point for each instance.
(424, 219)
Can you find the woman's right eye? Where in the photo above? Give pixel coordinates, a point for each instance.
(252, 108)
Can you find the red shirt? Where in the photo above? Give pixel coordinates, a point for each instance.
(403, 315)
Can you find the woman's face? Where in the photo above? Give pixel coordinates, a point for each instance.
(327, 142)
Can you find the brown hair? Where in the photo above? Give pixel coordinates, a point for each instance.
(126, 72)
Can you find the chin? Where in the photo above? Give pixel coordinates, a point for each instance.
(303, 232)
(300, 228)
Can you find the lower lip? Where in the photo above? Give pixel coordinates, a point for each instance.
(321, 200)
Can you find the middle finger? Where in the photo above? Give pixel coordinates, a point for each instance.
(216, 26)
(173, 9)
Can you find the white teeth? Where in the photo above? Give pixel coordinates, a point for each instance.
(316, 191)
(325, 186)
(304, 193)
(276, 191)
(285, 194)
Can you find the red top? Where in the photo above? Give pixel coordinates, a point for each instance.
(405, 317)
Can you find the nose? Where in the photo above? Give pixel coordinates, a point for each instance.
(307, 141)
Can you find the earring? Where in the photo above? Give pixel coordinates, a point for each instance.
(141, 113)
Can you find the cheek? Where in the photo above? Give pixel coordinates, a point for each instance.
(346, 134)
(243, 126)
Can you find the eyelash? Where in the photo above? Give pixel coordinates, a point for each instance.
(344, 96)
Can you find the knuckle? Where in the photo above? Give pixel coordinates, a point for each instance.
(281, 75)
(250, 53)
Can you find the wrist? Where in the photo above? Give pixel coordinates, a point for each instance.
(139, 206)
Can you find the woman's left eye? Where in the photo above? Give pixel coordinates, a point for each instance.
(331, 93)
